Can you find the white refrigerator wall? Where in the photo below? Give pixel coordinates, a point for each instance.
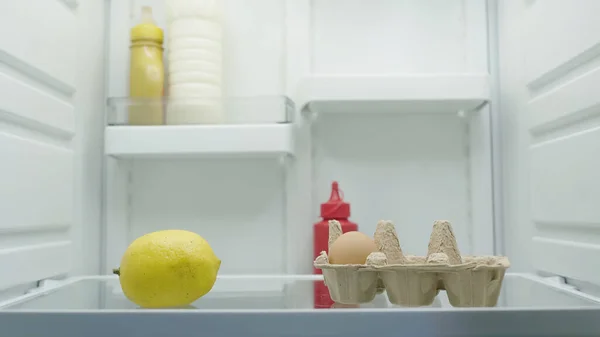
(549, 78)
(52, 70)
(410, 168)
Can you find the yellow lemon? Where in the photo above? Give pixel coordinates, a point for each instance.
(169, 268)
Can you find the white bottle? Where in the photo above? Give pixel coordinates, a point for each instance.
(195, 61)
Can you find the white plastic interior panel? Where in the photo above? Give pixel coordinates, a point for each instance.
(198, 140)
(37, 128)
(388, 164)
(393, 94)
(561, 140)
(51, 93)
(235, 203)
(397, 37)
(49, 52)
(35, 238)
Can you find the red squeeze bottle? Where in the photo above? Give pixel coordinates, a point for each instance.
(334, 209)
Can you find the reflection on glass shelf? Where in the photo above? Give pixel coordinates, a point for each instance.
(195, 111)
(280, 292)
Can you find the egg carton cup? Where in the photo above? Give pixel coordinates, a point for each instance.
(414, 281)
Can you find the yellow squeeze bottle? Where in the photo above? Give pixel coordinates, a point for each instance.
(146, 72)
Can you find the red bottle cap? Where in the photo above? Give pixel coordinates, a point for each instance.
(335, 208)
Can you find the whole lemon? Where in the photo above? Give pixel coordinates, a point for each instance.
(169, 268)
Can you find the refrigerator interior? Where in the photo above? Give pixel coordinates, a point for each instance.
(384, 161)
(421, 110)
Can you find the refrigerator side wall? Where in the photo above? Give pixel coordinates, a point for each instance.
(52, 84)
(549, 71)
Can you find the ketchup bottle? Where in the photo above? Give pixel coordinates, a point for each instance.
(334, 209)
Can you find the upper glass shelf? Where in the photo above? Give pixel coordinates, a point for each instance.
(198, 111)
(167, 127)
(257, 292)
(397, 94)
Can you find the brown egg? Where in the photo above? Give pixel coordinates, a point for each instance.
(351, 248)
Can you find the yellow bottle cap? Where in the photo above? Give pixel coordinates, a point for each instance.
(147, 28)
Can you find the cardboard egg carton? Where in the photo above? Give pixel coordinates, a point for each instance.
(413, 281)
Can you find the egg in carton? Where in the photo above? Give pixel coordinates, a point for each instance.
(348, 283)
(413, 281)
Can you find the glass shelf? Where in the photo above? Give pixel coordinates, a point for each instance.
(396, 94)
(256, 292)
(254, 126)
(279, 306)
(198, 111)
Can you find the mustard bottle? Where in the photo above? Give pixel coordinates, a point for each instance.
(146, 72)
